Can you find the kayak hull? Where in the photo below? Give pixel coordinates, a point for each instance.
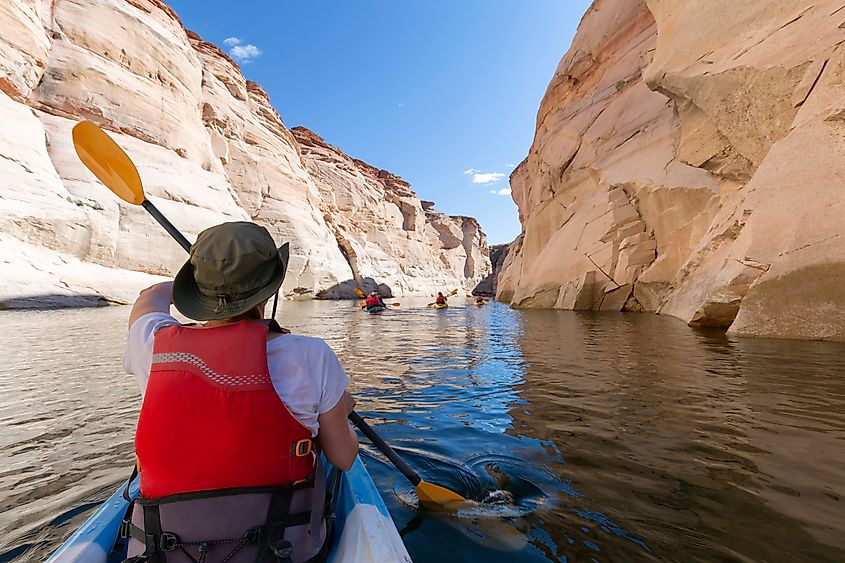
(376, 309)
(441, 306)
(364, 531)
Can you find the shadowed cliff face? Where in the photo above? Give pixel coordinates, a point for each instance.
(209, 146)
(687, 163)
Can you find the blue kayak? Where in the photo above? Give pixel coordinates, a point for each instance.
(363, 529)
(375, 309)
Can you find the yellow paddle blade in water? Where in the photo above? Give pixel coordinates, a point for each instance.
(102, 156)
(428, 493)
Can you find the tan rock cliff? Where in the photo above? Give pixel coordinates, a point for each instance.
(385, 231)
(687, 161)
(207, 142)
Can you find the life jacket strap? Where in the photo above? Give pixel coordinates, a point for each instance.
(129, 482)
(273, 548)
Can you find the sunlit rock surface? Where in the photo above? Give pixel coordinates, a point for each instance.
(688, 161)
(209, 147)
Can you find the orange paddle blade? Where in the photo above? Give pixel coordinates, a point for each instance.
(359, 293)
(102, 156)
(429, 493)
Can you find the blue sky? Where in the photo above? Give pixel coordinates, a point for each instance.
(441, 92)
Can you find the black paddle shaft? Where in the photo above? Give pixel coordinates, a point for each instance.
(394, 458)
(168, 226)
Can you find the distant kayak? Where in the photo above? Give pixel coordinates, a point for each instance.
(375, 309)
(441, 305)
(479, 304)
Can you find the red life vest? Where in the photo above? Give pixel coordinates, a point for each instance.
(373, 301)
(211, 418)
(440, 299)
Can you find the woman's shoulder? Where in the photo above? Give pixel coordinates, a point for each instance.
(305, 344)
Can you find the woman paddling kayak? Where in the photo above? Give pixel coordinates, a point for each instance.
(235, 411)
(440, 301)
(374, 302)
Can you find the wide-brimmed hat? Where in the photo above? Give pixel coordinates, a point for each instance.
(232, 268)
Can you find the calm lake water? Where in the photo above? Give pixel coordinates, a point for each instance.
(601, 437)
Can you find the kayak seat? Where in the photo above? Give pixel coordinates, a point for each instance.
(235, 526)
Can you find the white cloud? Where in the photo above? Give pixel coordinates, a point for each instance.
(510, 165)
(471, 171)
(245, 53)
(485, 178)
(503, 191)
(400, 105)
(242, 52)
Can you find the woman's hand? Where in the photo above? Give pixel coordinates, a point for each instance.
(347, 403)
(154, 299)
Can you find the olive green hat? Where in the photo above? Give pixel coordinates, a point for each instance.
(232, 268)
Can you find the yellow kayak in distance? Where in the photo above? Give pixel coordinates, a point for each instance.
(441, 306)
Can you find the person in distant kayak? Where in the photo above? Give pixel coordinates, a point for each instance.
(480, 300)
(441, 299)
(374, 300)
(235, 414)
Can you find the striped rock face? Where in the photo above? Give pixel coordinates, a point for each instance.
(678, 168)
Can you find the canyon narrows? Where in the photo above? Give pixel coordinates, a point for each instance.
(210, 148)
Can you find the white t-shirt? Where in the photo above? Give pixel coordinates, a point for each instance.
(305, 371)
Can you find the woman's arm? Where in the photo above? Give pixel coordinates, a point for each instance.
(337, 438)
(154, 299)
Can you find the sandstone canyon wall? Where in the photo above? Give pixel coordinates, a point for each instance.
(385, 231)
(209, 147)
(488, 286)
(688, 160)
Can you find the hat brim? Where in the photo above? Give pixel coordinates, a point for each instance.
(191, 302)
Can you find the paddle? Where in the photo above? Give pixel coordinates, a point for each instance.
(102, 156)
(428, 493)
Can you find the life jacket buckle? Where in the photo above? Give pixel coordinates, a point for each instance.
(302, 448)
(168, 541)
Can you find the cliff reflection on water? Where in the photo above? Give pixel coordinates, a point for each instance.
(613, 437)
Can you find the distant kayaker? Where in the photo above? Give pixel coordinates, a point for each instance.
(235, 412)
(480, 300)
(374, 300)
(441, 299)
